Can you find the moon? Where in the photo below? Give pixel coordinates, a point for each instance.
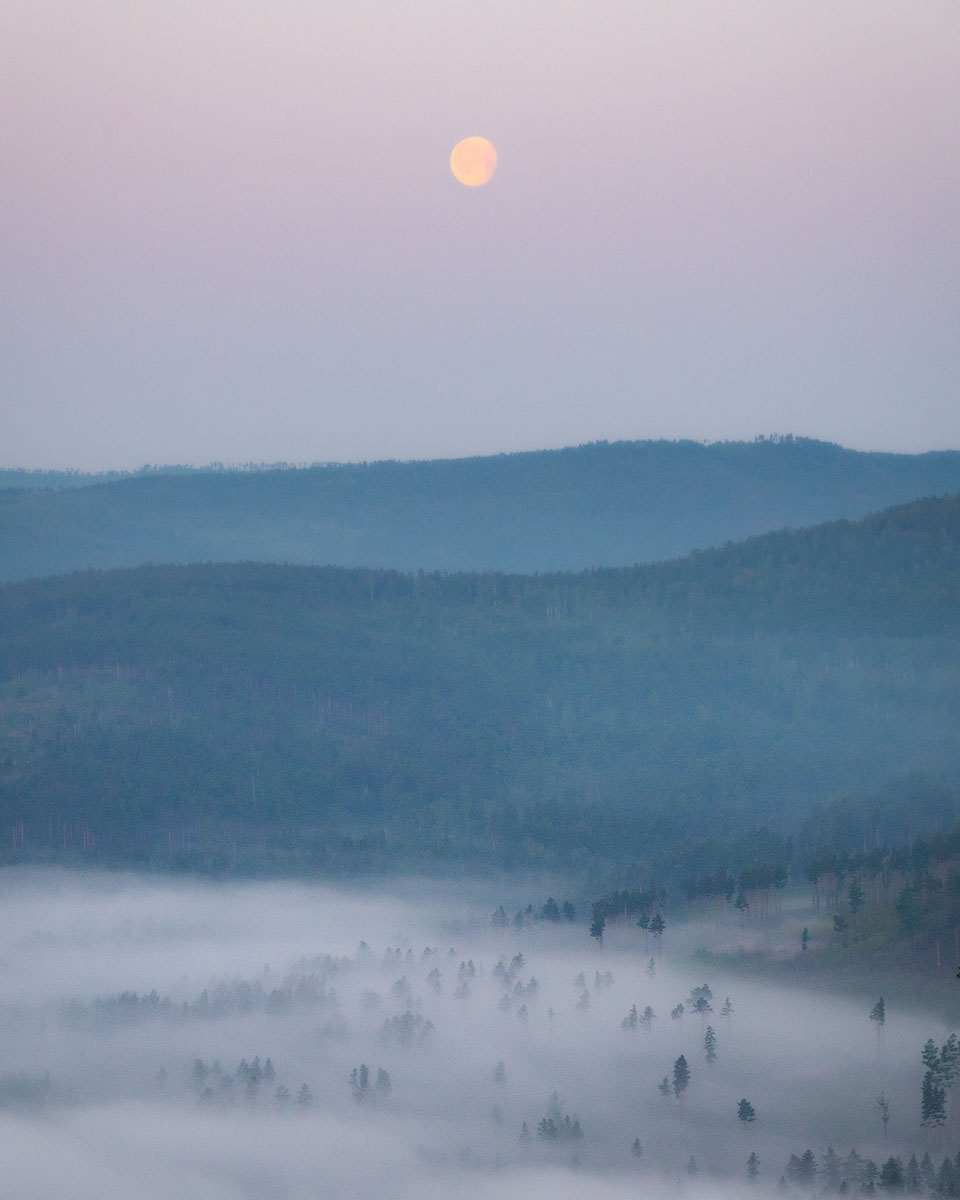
(473, 161)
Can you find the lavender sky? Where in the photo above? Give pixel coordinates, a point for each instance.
(228, 229)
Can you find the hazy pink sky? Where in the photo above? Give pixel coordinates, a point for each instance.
(229, 230)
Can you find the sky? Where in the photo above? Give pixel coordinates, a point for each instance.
(229, 231)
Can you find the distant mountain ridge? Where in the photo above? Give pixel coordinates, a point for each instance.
(601, 504)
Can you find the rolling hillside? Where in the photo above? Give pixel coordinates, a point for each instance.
(333, 719)
(596, 505)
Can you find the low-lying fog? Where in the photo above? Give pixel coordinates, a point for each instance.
(169, 1038)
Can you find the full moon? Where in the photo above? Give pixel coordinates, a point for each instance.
(473, 161)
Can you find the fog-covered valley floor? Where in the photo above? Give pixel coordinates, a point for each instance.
(165, 1038)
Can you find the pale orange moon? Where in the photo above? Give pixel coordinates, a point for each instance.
(473, 161)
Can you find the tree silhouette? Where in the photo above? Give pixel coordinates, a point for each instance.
(746, 1112)
(883, 1104)
(681, 1077)
(878, 1014)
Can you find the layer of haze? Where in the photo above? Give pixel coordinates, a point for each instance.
(114, 987)
(230, 231)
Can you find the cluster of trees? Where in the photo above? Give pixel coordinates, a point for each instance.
(366, 1093)
(941, 1068)
(213, 1085)
(555, 1126)
(550, 911)
(838, 1175)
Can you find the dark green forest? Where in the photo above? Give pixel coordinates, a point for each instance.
(663, 722)
(599, 504)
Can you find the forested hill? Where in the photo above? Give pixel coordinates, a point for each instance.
(600, 504)
(646, 719)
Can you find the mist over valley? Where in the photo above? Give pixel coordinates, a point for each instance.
(260, 1040)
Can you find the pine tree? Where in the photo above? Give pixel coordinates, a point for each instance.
(927, 1173)
(710, 1045)
(878, 1014)
(636, 1149)
(753, 1166)
(597, 925)
(933, 1102)
(883, 1104)
(831, 1170)
(892, 1177)
(681, 1077)
(746, 1112)
(802, 1169)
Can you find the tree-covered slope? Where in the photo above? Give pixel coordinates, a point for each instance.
(602, 504)
(596, 719)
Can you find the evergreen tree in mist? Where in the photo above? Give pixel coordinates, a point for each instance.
(746, 1112)
(681, 1077)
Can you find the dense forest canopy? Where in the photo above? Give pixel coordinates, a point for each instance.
(604, 722)
(600, 504)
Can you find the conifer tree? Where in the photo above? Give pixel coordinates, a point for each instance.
(746, 1112)
(892, 1176)
(878, 1014)
(710, 1045)
(831, 1170)
(883, 1104)
(681, 1077)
